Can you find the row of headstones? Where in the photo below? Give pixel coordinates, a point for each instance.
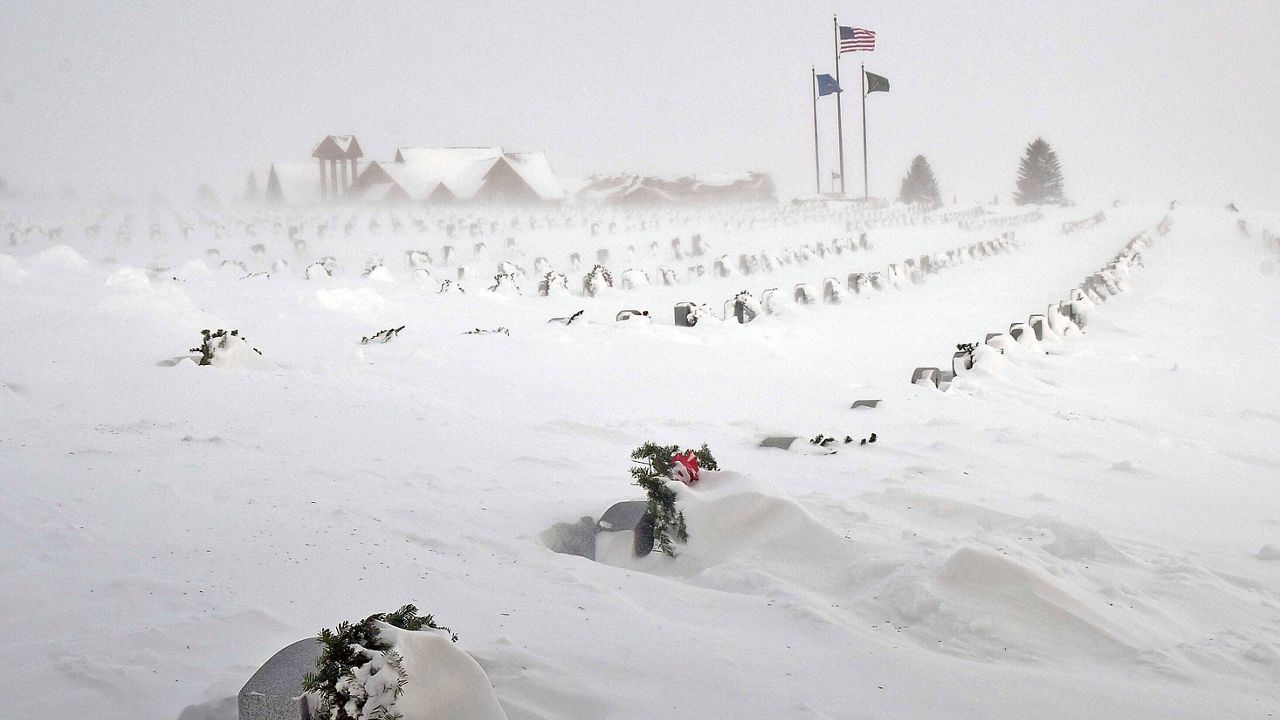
(744, 308)
(1004, 221)
(913, 270)
(1076, 225)
(421, 262)
(1060, 320)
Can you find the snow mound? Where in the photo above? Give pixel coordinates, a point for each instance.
(443, 681)
(381, 274)
(364, 303)
(233, 352)
(61, 257)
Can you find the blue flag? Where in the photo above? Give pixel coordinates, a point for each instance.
(827, 85)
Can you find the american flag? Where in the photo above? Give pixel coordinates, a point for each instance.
(853, 39)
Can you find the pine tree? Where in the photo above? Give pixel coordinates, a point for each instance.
(1039, 176)
(919, 186)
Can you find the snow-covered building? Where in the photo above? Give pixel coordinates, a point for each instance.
(746, 187)
(438, 175)
(342, 154)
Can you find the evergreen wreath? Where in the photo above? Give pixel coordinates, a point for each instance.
(382, 335)
(651, 471)
(590, 283)
(355, 653)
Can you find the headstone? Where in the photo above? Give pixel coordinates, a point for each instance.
(830, 291)
(865, 404)
(767, 299)
(961, 361)
(926, 376)
(1037, 325)
(1016, 330)
(275, 691)
(602, 256)
(628, 314)
(630, 515)
(683, 315)
(802, 294)
(782, 443)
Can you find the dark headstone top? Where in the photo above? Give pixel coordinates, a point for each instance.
(275, 690)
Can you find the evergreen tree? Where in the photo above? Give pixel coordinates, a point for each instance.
(1039, 176)
(919, 186)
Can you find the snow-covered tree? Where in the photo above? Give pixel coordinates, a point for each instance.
(1039, 176)
(919, 186)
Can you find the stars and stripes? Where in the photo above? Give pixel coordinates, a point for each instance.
(853, 39)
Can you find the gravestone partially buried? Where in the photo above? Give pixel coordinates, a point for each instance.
(1037, 323)
(926, 376)
(768, 298)
(961, 361)
(830, 291)
(865, 404)
(684, 315)
(275, 690)
(802, 294)
(630, 515)
(1016, 330)
(781, 443)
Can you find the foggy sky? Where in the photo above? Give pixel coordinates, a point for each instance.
(1143, 101)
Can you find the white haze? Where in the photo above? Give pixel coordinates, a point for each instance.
(1143, 101)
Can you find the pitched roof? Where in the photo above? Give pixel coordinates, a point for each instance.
(338, 146)
(463, 170)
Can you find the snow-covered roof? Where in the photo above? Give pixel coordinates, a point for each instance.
(338, 146)
(723, 187)
(536, 170)
(294, 183)
(463, 170)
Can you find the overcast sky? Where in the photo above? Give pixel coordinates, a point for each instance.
(1144, 101)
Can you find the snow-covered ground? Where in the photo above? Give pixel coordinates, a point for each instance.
(1088, 533)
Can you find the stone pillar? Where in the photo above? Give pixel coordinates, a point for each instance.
(342, 176)
(324, 182)
(333, 177)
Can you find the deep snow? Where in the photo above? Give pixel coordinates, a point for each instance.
(1086, 533)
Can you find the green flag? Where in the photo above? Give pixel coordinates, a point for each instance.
(876, 83)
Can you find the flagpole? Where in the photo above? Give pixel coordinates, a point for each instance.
(835, 24)
(813, 86)
(864, 131)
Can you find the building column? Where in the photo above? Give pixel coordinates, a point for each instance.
(324, 182)
(333, 177)
(342, 176)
